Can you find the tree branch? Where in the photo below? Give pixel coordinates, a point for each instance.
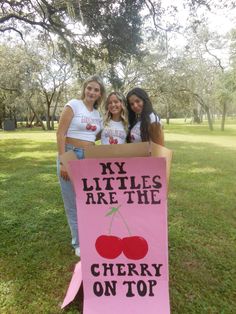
(9, 89)
(21, 18)
(12, 29)
(214, 56)
(153, 13)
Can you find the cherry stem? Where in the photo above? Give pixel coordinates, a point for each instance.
(112, 218)
(121, 216)
(113, 211)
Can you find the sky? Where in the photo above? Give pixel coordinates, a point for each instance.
(220, 20)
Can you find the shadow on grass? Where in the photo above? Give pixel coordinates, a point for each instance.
(36, 258)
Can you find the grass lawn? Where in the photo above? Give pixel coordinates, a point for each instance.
(36, 260)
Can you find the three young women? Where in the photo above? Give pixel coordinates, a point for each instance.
(80, 123)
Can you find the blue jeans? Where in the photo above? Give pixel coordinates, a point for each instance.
(68, 196)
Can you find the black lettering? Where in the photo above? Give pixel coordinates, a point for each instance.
(157, 269)
(119, 272)
(152, 283)
(90, 199)
(132, 183)
(106, 167)
(86, 188)
(153, 196)
(129, 293)
(122, 183)
(144, 195)
(110, 288)
(101, 198)
(108, 183)
(141, 288)
(112, 196)
(145, 181)
(144, 270)
(98, 289)
(131, 269)
(130, 201)
(157, 184)
(98, 188)
(120, 166)
(93, 271)
(108, 267)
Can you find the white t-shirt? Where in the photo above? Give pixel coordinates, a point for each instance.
(85, 124)
(135, 133)
(114, 133)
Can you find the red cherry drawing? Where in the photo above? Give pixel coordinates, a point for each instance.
(88, 126)
(115, 141)
(134, 247)
(93, 128)
(108, 246)
(111, 140)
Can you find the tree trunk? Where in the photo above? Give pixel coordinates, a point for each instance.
(31, 121)
(37, 116)
(55, 107)
(167, 114)
(223, 117)
(2, 114)
(48, 124)
(210, 124)
(206, 109)
(15, 118)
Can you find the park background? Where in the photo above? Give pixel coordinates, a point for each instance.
(184, 55)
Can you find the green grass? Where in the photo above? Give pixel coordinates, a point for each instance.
(36, 260)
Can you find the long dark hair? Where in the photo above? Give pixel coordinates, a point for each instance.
(145, 114)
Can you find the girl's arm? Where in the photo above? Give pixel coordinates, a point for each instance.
(63, 126)
(98, 136)
(156, 133)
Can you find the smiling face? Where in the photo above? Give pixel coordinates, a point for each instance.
(136, 104)
(114, 106)
(92, 92)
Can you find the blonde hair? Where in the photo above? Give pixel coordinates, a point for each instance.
(97, 79)
(124, 112)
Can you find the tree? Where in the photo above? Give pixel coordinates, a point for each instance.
(16, 68)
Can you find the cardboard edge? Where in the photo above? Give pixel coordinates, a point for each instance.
(143, 149)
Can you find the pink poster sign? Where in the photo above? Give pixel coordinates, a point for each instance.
(122, 215)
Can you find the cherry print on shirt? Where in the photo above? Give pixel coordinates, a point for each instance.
(91, 127)
(88, 126)
(113, 140)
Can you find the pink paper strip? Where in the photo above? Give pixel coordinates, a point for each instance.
(74, 285)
